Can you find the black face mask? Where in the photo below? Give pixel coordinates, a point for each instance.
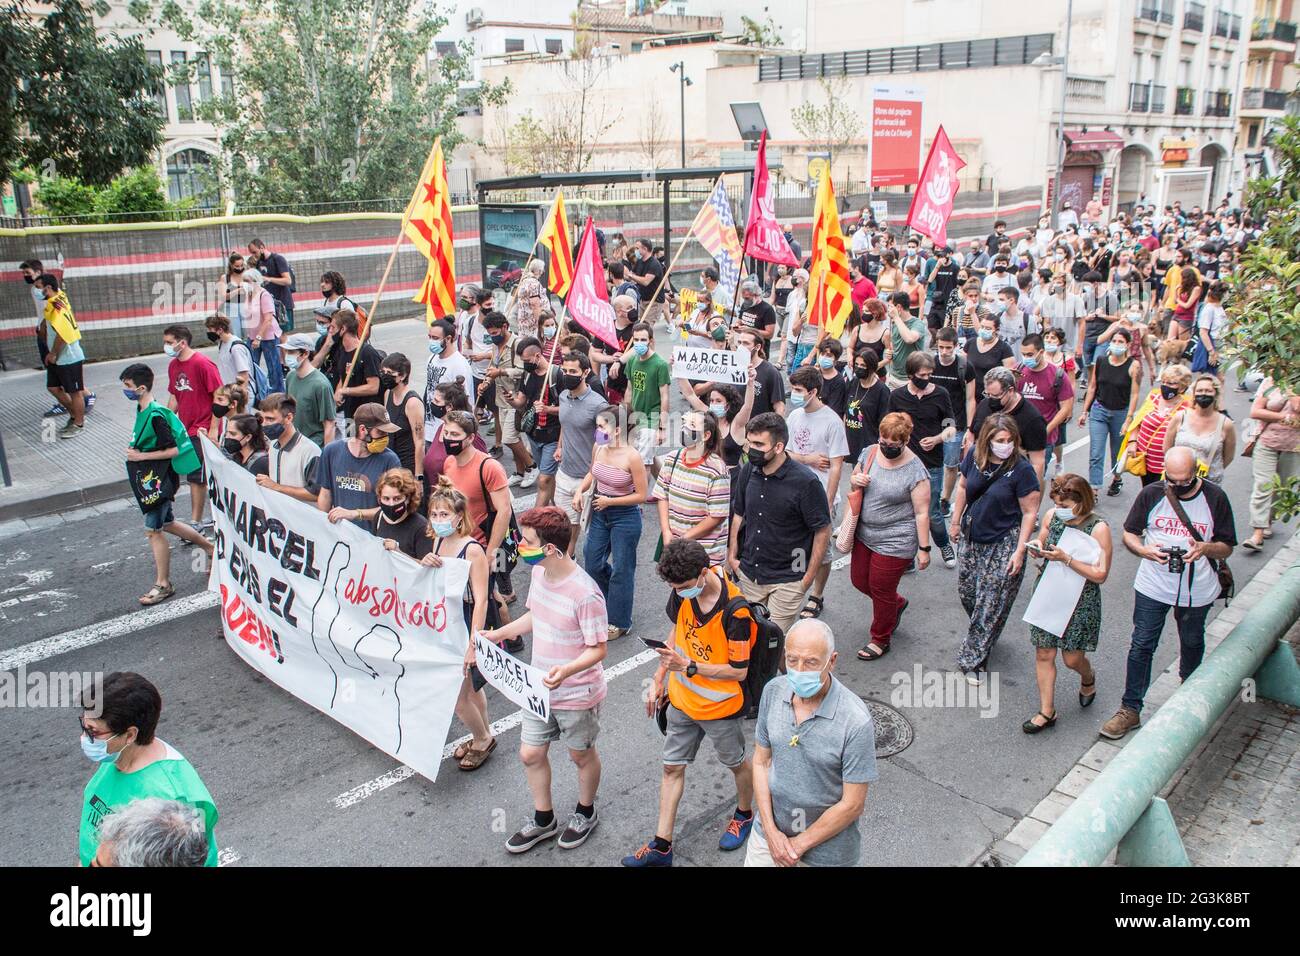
(1169, 392)
(454, 446)
(273, 431)
(757, 458)
(862, 373)
(921, 384)
(570, 382)
(214, 336)
(999, 268)
(30, 280)
(438, 410)
(995, 404)
(530, 368)
(1205, 401)
(231, 446)
(219, 411)
(395, 512)
(890, 451)
(387, 382)
(497, 339)
(1181, 488)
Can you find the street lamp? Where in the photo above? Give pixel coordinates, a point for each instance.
(1045, 60)
(684, 81)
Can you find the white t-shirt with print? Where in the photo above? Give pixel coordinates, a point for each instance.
(818, 433)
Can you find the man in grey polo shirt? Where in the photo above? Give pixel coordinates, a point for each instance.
(814, 755)
(579, 405)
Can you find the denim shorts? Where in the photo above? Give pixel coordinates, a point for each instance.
(952, 450)
(544, 456)
(159, 516)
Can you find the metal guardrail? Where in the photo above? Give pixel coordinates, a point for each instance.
(1120, 810)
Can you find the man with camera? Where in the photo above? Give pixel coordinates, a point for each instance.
(1181, 528)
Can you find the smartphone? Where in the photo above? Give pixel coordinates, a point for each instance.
(651, 642)
(1034, 547)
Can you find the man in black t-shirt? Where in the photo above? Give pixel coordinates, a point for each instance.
(278, 281)
(931, 412)
(755, 313)
(940, 287)
(362, 385)
(1002, 398)
(953, 372)
(769, 387)
(834, 391)
(647, 273)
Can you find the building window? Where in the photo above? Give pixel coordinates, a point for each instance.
(554, 47)
(203, 69)
(181, 89)
(187, 175)
(514, 46)
(446, 47)
(160, 91)
(1252, 135)
(227, 82)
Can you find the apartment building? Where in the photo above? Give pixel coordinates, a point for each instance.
(1268, 81)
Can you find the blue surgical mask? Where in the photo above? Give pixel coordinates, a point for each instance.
(435, 347)
(804, 683)
(169, 351)
(825, 361)
(291, 362)
(548, 332)
(1118, 348)
(798, 399)
(322, 328)
(1052, 346)
(443, 529)
(687, 593)
(986, 335)
(97, 750)
(640, 348)
(718, 409)
(1064, 514)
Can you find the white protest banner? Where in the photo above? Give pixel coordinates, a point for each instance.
(730, 366)
(1057, 594)
(521, 682)
(367, 636)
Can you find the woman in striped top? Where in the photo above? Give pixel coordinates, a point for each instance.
(693, 494)
(610, 552)
(1148, 429)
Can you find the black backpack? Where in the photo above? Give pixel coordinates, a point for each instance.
(767, 653)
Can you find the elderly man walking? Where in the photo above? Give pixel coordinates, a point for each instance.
(814, 755)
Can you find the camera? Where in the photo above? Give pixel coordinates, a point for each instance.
(1176, 562)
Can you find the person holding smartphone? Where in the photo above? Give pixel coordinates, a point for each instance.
(702, 676)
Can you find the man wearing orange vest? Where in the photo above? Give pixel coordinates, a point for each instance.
(704, 668)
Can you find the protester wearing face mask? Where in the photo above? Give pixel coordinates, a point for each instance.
(698, 686)
(1143, 449)
(1211, 330)
(580, 405)
(398, 520)
(986, 350)
(889, 507)
(291, 456)
(1062, 309)
(1074, 503)
(350, 470)
(310, 389)
(814, 758)
(993, 513)
(192, 378)
(693, 492)
(1191, 514)
(566, 615)
(405, 409)
(245, 444)
(447, 397)
(234, 360)
(118, 733)
(1047, 388)
(227, 402)
(1132, 323)
(1203, 428)
(446, 364)
(504, 370)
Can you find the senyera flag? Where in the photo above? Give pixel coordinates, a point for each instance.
(932, 202)
(830, 298)
(555, 238)
(764, 238)
(588, 300)
(428, 226)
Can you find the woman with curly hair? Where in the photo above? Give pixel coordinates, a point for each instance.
(399, 521)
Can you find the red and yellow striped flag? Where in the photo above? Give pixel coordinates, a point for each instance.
(830, 298)
(555, 238)
(428, 226)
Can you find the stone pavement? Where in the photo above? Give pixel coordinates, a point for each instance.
(1234, 799)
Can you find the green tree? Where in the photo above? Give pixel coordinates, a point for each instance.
(136, 196)
(78, 104)
(333, 100)
(832, 125)
(1264, 334)
(758, 33)
(66, 198)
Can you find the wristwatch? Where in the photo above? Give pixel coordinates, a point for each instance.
(925, 548)
(692, 669)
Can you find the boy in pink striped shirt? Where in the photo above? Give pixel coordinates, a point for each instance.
(566, 614)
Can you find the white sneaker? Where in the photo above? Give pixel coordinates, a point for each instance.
(514, 480)
(529, 479)
(1056, 469)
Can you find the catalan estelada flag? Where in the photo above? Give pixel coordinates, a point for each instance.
(428, 226)
(830, 297)
(555, 238)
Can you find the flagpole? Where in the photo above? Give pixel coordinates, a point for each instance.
(392, 257)
(681, 248)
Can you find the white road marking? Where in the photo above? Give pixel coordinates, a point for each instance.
(34, 596)
(31, 579)
(105, 630)
(508, 722)
(227, 857)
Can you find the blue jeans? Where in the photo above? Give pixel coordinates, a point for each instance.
(1148, 621)
(269, 350)
(1103, 423)
(614, 533)
(938, 530)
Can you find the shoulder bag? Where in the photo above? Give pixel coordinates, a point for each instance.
(1227, 584)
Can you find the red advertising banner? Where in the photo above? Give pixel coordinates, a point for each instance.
(895, 136)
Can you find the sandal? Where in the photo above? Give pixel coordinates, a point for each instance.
(1250, 545)
(1030, 727)
(867, 654)
(1085, 700)
(812, 609)
(157, 594)
(459, 753)
(474, 759)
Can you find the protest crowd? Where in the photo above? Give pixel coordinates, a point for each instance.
(922, 433)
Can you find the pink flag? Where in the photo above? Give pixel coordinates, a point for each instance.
(764, 238)
(932, 202)
(588, 300)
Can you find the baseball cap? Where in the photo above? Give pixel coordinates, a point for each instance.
(375, 417)
(300, 342)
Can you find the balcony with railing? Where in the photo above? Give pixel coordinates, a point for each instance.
(1256, 99)
(1086, 90)
(1194, 17)
(1273, 31)
(1146, 98)
(1184, 101)
(1218, 103)
(1156, 11)
(1227, 25)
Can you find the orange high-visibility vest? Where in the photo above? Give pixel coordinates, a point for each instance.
(700, 697)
